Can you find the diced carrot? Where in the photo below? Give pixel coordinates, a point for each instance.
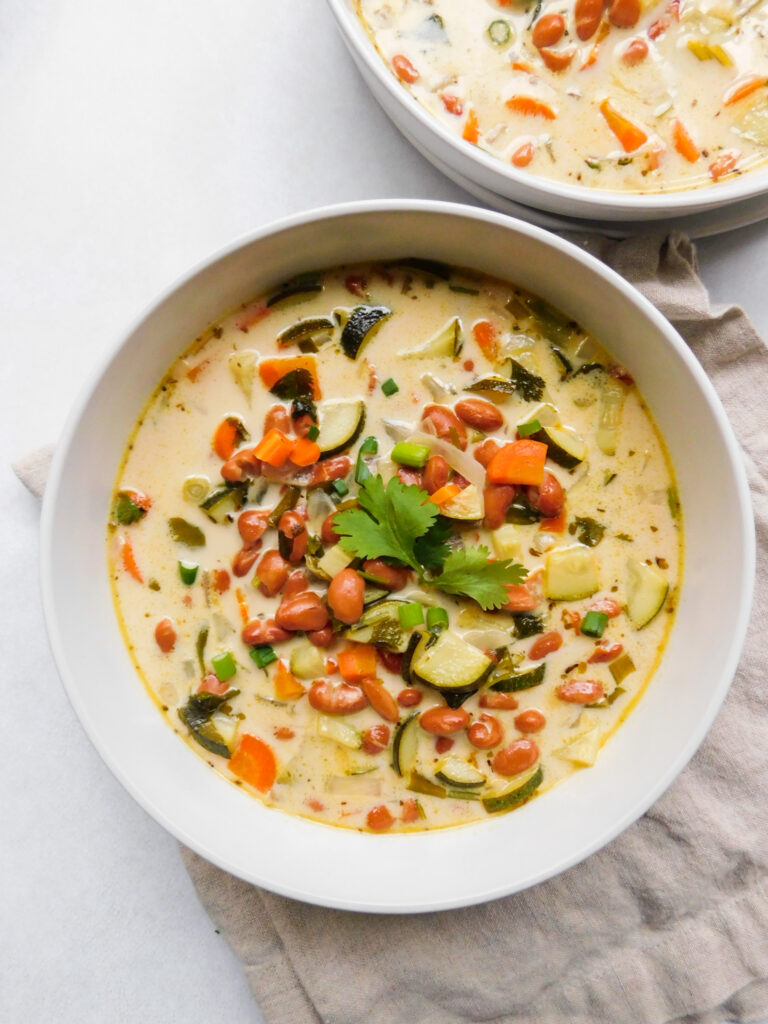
(554, 524)
(452, 103)
(254, 762)
(530, 106)
(194, 371)
(684, 144)
(129, 559)
(653, 156)
(356, 662)
(305, 452)
(471, 131)
(225, 438)
(274, 448)
(744, 88)
(273, 370)
(287, 686)
(521, 65)
(251, 315)
(629, 135)
(404, 70)
(523, 155)
(242, 604)
(521, 598)
(410, 811)
(520, 462)
(487, 338)
(724, 164)
(445, 494)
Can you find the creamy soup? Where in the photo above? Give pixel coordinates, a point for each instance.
(396, 547)
(624, 95)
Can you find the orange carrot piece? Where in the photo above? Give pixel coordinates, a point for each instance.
(745, 88)
(357, 662)
(684, 144)
(129, 559)
(287, 686)
(523, 155)
(305, 452)
(242, 604)
(445, 494)
(555, 524)
(471, 131)
(724, 164)
(194, 371)
(254, 762)
(225, 438)
(486, 336)
(274, 448)
(521, 65)
(629, 135)
(531, 107)
(520, 462)
(520, 598)
(273, 370)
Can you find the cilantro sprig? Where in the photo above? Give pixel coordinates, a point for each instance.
(399, 522)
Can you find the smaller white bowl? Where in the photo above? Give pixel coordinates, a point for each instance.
(483, 173)
(339, 867)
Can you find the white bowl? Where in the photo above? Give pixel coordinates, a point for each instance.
(481, 173)
(363, 871)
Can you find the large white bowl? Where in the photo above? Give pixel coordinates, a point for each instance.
(483, 174)
(463, 865)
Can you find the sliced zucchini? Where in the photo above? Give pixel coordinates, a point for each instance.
(333, 561)
(466, 506)
(305, 329)
(646, 590)
(570, 573)
(223, 502)
(405, 744)
(564, 446)
(512, 682)
(361, 326)
(506, 541)
(307, 661)
(380, 624)
(494, 383)
(447, 342)
(339, 731)
(519, 790)
(455, 772)
(340, 425)
(418, 784)
(298, 289)
(449, 663)
(198, 715)
(609, 418)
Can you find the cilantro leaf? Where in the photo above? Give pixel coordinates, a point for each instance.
(432, 549)
(388, 523)
(471, 573)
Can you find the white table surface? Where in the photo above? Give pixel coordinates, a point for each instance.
(136, 138)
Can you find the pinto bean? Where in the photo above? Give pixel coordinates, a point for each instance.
(380, 699)
(165, 635)
(304, 611)
(531, 720)
(516, 758)
(544, 645)
(294, 536)
(635, 52)
(436, 473)
(345, 595)
(296, 583)
(272, 572)
(497, 498)
(443, 744)
(558, 60)
(277, 418)
(549, 498)
(376, 739)
(498, 701)
(245, 558)
(409, 476)
(378, 818)
(409, 697)
(605, 651)
(391, 660)
(336, 698)
(330, 469)
(446, 423)
(485, 451)
(242, 464)
(328, 534)
(263, 631)
(302, 425)
(442, 721)
(252, 524)
(390, 576)
(548, 30)
(587, 14)
(624, 13)
(580, 691)
(479, 414)
(485, 733)
(321, 637)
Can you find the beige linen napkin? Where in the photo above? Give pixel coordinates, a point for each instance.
(667, 923)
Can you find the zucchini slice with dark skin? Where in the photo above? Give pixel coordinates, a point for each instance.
(361, 326)
(340, 423)
(298, 288)
(307, 328)
(449, 664)
(519, 681)
(405, 744)
(456, 773)
(517, 794)
(564, 447)
(222, 503)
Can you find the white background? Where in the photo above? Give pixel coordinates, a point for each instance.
(135, 138)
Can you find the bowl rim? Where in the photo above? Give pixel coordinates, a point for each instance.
(510, 180)
(318, 215)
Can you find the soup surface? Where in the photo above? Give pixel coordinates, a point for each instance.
(624, 95)
(395, 547)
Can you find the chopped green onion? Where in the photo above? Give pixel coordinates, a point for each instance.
(408, 454)
(498, 32)
(410, 614)
(313, 433)
(188, 572)
(341, 488)
(263, 655)
(436, 616)
(369, 447)
(196, 489)
(526, 429)
(389, 387)
(594, 623)
(224, 666)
